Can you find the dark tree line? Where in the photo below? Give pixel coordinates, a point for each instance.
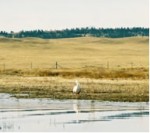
(80, 32)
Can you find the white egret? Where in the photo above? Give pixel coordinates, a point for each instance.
(76, 88)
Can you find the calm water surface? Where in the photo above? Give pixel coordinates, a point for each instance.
(71, 115)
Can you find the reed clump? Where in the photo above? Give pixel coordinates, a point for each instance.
(95, 72)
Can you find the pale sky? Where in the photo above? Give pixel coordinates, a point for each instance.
(19, 15)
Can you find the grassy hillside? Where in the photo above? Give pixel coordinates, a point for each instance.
(74, 52)
(107, 69)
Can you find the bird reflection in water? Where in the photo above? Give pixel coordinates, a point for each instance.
(77, 111)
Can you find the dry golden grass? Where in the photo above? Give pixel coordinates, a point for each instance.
(108, 69)
(87, 72)
(74, 52)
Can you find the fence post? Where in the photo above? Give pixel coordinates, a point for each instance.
(56, 64)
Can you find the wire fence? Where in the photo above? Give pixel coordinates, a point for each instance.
(31, 65)
(58, 65)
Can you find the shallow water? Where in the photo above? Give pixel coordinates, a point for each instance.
(71, 115)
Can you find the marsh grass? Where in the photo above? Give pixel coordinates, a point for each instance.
(89, 72)
(42, 87)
